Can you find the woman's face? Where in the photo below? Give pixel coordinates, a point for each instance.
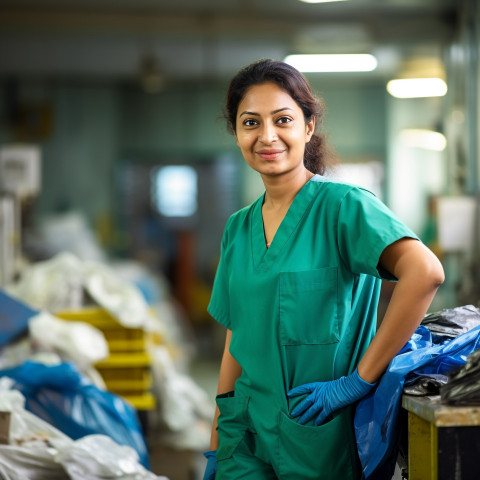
(271, 130)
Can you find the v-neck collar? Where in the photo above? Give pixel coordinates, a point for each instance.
(263, 257)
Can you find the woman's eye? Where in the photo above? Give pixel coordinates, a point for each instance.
(250, 122)
(284, 120)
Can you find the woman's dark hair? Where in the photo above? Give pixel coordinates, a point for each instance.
(317, 154)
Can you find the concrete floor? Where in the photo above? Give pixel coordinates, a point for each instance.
(185, 464)
(176, 464)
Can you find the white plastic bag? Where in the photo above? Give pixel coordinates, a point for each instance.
(60, 283)
(96, 457)
(26, 429)
(32, 463)
(185, 407)
(71, 232)
(77, 341)
(53, 285)
(39, 451)
(120, 298)
(29, 455)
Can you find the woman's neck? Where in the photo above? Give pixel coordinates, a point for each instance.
(281, 190)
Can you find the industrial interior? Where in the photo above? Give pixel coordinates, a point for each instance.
(118, 175)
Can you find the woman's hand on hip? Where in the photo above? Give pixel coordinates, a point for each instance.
(324, 398)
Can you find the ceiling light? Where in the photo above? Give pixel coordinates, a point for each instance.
(322, 1)
(417, 87)
(427, 139)
(333, 62)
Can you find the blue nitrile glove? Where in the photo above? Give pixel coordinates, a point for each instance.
(327, 397)
(211, 468)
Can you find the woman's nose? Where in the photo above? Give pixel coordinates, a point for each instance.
(268, 133)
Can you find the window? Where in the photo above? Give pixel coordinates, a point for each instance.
(174, 192)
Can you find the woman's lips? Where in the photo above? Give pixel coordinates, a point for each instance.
(269, 154)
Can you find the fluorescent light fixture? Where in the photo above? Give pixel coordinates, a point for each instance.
(322, 1)
(427, 139)
(417, 87)
(333, 62)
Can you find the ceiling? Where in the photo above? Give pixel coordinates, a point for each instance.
(198, 39)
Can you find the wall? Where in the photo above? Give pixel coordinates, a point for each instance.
(356, 118)
(78, 135)
(183, 120)
(96, 126)
(78, 159)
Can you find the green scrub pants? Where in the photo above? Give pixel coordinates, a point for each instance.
(290, 452)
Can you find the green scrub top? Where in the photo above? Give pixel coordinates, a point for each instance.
(303, 310)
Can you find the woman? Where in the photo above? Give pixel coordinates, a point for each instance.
(297, 288)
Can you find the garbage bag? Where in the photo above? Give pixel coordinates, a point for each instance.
(14, 318)
(453, 321)
(52, 285)
(463, 387)
(27, 454)
(422, 385)
(37, 450)
(61, 282)
(376, 416)
(32, 463)
(78, 342)
(96, 457)
(25, 427)
(123, 300)
(60, 395)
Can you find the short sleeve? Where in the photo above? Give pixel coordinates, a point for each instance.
(219, 306)
(365, 228)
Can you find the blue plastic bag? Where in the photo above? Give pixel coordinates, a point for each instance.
(376, 416)
(64, 398)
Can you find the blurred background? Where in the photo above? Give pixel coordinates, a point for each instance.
(113, 151)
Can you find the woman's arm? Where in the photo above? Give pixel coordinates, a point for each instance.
(419, 275)
(230, 370)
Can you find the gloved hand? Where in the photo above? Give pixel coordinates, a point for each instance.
(211, 468)
(327, 397)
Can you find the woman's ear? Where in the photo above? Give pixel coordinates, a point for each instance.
(309, 129)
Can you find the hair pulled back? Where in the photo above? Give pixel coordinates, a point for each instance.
(317, 152)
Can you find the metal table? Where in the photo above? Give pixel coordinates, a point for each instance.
(443, 441)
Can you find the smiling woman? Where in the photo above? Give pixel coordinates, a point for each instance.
(297, 289)
(272, 141)
(291, 87)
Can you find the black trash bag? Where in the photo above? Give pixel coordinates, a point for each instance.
(463, 387)
(452, 322)
(425, 384)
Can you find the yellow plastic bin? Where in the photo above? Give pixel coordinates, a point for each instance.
(127, 370)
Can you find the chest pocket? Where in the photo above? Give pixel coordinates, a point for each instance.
(309, 307)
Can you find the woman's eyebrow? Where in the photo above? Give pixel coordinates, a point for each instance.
(280, 110)
(249, 113)
(271, 113)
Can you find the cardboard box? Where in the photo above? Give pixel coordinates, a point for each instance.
(4, 428)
